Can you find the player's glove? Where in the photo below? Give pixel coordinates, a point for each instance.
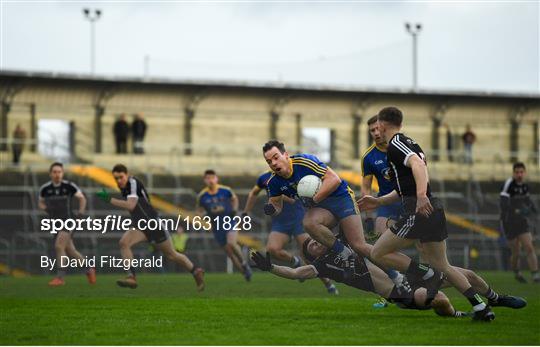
(307, 202)
(269, 209)
(104, 195)
(262, 262)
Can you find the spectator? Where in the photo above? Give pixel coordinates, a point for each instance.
(468, 139)
(19, 137)
(138, 130)
(121, 131)
(449, 143)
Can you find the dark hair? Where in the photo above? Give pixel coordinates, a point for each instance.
(519, 165)
(209, 172)
(120, 168)
(391, 115)
(308, 256)
(56, 163)
(273, 143)
(372, 120)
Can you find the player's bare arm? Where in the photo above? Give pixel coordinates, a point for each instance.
(367, 181)
(369, 202)
(330, 182)
(252, 197)
(304, 272)
(41, 204)
(128, 204)
(82, 201)
(264, 263)
(419, 170)
(235, 202)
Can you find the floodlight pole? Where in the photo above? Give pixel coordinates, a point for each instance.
(414, 30)
(92, 16)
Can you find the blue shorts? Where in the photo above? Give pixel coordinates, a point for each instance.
(221, 236)
(390, 211)
(293, 228)
(341, 206)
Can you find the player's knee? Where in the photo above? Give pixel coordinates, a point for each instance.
(228, 248)
(273, 249)
(440, 302)
(309, 224)
(123, 244)
(376, 253)
(528, 248)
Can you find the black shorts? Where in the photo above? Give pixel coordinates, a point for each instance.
(418, 227)
(405, 300)
(515, 227)
(154, 236)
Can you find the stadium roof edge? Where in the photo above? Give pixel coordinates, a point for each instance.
(306, 87)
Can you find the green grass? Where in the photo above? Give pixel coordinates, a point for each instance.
(166, 310)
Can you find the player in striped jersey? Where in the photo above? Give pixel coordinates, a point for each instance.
(55, 198)
(423, 218)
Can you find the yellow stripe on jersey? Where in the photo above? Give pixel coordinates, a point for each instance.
(310, 164)
(366, 152)
(320, 172)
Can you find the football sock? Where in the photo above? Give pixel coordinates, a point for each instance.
(475, 299)
(60, 273)
(339, 248)
(491, 295)
(417, 270)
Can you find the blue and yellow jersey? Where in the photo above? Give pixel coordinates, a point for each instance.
(375, 163)
(290, 212)
(301, 165)
(217, 204)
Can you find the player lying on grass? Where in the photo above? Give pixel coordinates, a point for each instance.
(368, 277)
(285, 227)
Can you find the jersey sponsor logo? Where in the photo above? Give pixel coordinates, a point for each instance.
(386, 174)
(378, 162)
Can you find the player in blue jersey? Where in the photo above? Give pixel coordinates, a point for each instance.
(221, 205)
(333, 205)
(285, 226)
(375, 164)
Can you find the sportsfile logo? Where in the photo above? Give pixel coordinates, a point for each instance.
(120, 223)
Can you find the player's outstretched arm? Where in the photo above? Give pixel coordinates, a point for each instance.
(265, 264)
(330, 182)
(128, 204)
(369, 202)
(252, 197)
(82, 202)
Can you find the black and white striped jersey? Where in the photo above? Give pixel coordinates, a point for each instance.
(399, 151)
(57, 198)
(515, 200)
(135, 189)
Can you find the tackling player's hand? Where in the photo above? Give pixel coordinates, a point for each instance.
(368, 202)
(307, 202)
(262, 262)
(269, 209)
(423, 206)
(104, 195)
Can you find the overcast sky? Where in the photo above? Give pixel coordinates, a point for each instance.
(488, 46)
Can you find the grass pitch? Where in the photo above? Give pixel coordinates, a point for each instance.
(166, 310)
